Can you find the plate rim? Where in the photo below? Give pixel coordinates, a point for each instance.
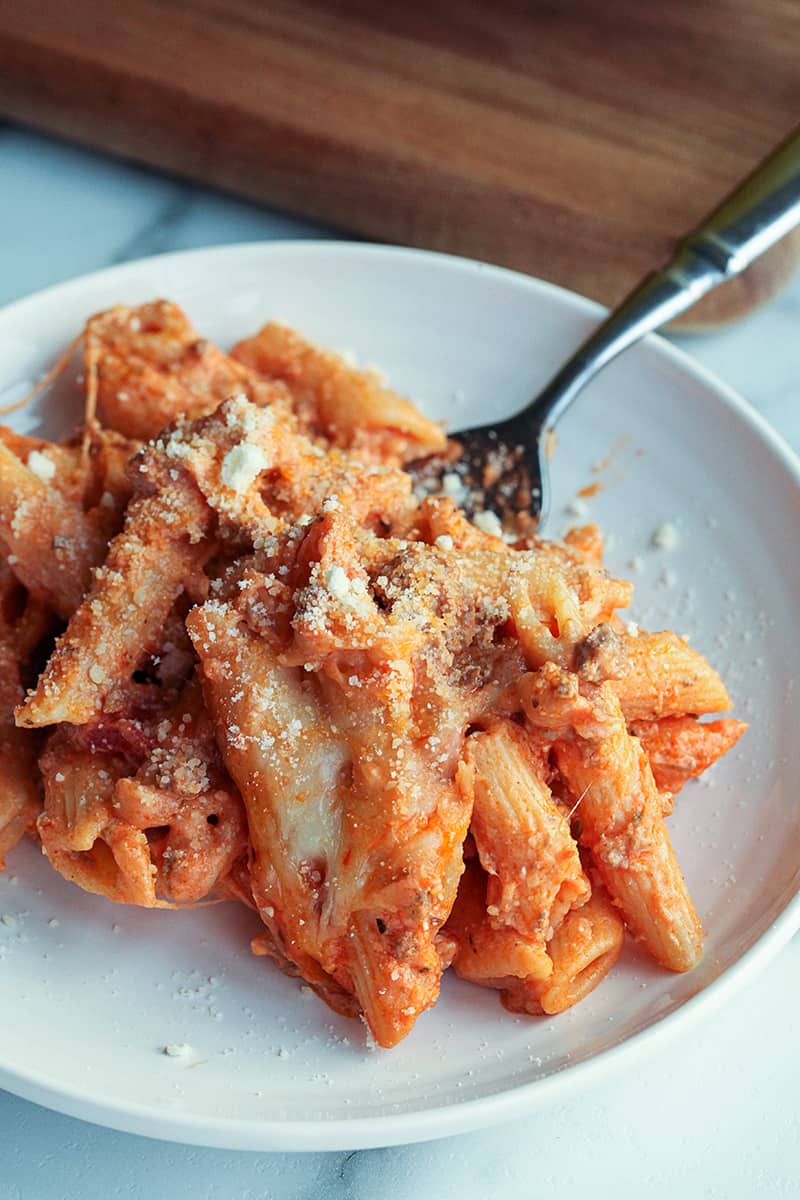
(235, 1133)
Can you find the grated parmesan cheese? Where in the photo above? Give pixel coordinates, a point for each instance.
(177, 1049)
(488, 522)
(452, 485)
(577, 507)
(665, 537)
(42, 467)
(241, 465)
(444, 542)
(337, 583)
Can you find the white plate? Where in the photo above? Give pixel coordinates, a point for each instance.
(90, 992)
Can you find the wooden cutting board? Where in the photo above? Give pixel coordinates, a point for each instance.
(574, 140)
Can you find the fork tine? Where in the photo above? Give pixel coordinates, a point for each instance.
(501, 469)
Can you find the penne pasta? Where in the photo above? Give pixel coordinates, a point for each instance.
(60, 465)
(653, 675)
(358, 841)
(19, 794)
(681, 748)
(530, 977)
(23, 623)
(487, 955)
(295, 678)
(619, 810)
(49, 542)
(349, 408)
(523, 840)
(150, 367)
(184, 797)
(583, 950)
(270, 724)
(80, 835)
(121, 619)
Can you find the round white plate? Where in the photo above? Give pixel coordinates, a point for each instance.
(90, 992)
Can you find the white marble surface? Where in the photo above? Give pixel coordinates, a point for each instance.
(715, 1115)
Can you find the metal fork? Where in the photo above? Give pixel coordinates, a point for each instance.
(503, 467)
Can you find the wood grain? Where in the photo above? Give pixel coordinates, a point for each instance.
(573, 140)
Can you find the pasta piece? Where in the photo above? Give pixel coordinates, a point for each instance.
(384, 832)
(437, 517)
(162, 547)
(299, 479)
(491, 957)
(139, 809)
(167, 539)
(586, 540)
(80, 835)
(582, 950)
(107, 479)
(259, 475)
(523, 840)
(652, 674)
(60, 465)
(557, 604)
(290, 771)
(532, 978)
(547, 600)
(619, 810)
(151, 367)
(405, 825)
(350, 408)
(19, 794)
(681, 748)
(182, 792)
(50, 542)
(78, 786)
(351, 891)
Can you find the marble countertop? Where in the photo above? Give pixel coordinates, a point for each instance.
(715, 1114)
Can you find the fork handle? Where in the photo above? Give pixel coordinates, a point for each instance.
(754, 216)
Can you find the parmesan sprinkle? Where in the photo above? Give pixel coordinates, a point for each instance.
(665, 537)
(489, 522)
(241, 465)
(177, 1049)
(43, 467)
(337, 583)
(452, 485)
(444, 542)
